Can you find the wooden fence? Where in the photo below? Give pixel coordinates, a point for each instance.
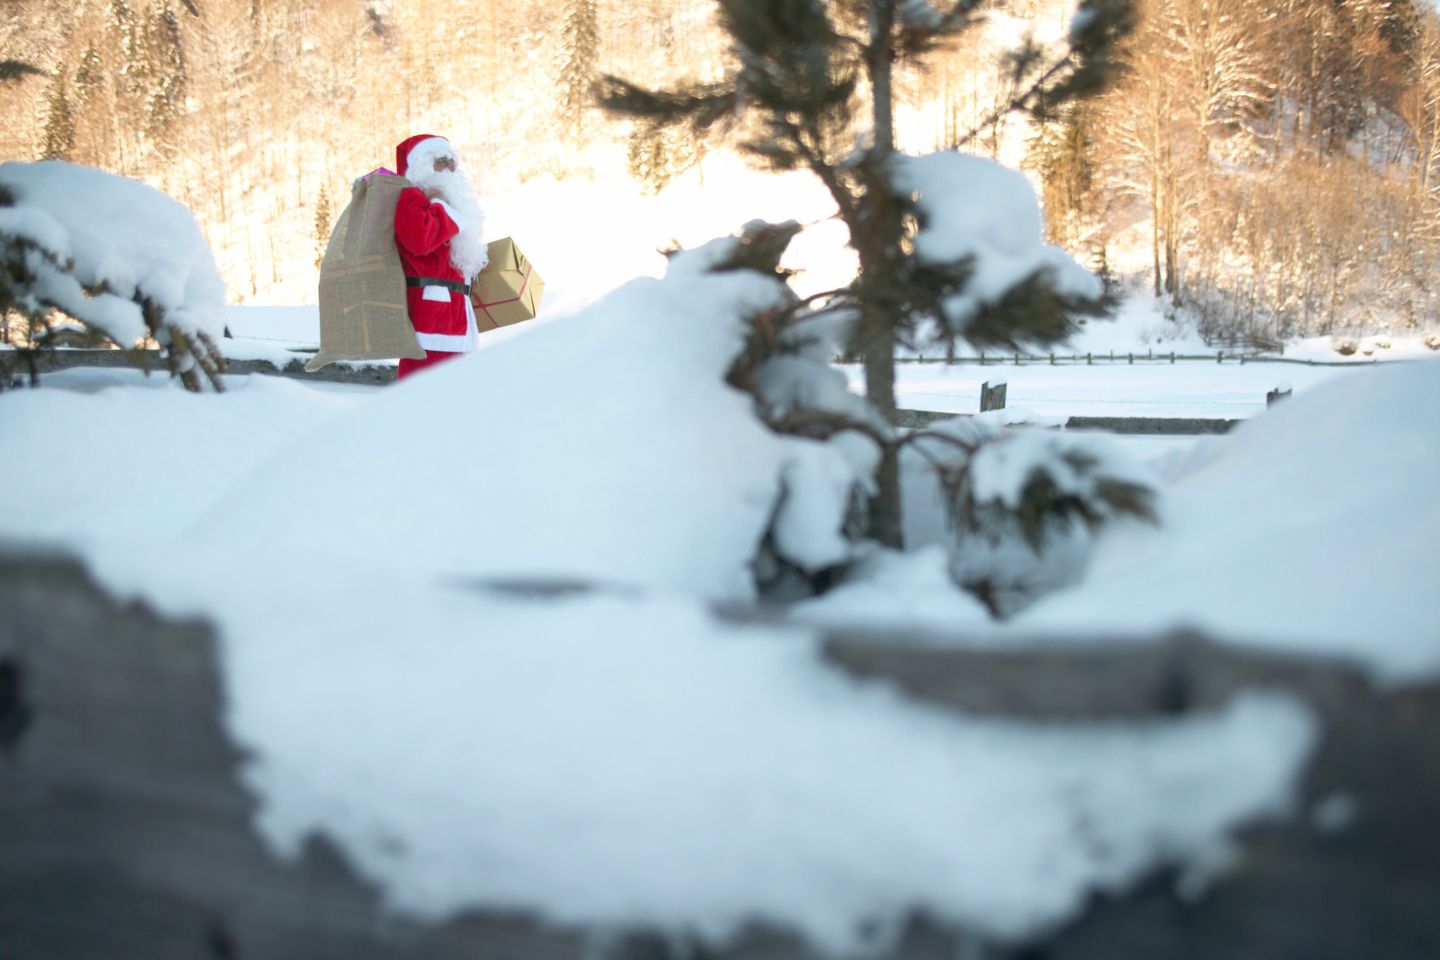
(1129, 358)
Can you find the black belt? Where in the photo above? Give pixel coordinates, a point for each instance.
(455, 286)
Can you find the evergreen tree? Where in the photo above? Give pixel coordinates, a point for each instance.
(164, 52)
(579, 45)
(655, 155)
(57, 132)
(322, 224)
(810, 80)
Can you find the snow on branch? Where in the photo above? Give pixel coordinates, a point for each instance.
(980, 248)
(1025, 503)
(123, 259)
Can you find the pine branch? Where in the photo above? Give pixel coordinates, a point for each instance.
(18, 69)
(701, 105)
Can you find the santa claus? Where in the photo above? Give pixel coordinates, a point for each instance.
(439, 232)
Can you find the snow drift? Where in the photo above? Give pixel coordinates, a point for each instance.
(604, 447)
(1313, 527)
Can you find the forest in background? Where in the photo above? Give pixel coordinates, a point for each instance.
(1268, 167)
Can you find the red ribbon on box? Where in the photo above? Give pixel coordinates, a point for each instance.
(485, 307)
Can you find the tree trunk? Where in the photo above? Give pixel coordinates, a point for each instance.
(884, 224)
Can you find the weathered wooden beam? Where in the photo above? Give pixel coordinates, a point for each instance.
(125, 832)
(1354, 873)
(151, 360)
(1156, 426)
(1066, 680)
(1153, 426)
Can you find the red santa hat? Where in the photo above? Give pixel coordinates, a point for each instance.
(420, 153)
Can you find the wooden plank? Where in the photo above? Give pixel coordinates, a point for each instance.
(1157, 426)
(1312, 886)
(52, 361)
(124, 831)
(1154, 426)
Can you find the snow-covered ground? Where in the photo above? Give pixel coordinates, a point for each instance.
(466, 621)
(623, 755)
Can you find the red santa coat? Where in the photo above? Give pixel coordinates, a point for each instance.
(423, 230)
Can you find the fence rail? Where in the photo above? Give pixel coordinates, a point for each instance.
(55, 360)
(1133, 426)
(1129, 358)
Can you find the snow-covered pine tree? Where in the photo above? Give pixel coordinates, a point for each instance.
(44, 271)
(10, 71)
(164, 50)
(579, 46)
(811, 87)
(322, 224)
(57, 130)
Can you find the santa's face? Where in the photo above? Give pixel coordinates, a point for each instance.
(433, 167)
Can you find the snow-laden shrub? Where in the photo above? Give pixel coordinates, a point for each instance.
(1020, 505)
(833, 437)
(1023, 503)
(1345, 346)
(124, 260)
(1433, 341)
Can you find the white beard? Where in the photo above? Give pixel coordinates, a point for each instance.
(468, 251)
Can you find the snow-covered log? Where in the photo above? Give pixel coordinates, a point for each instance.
(126, 832)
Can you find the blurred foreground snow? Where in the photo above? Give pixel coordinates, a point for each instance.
(622, 755)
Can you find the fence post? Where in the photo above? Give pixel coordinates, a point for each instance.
(992, 398)
(1281, 392)
(1132, 358)
(1052, 358)
(1017, 359)
(982, 358)
(1172, 356)
(1219, 356)
(1089, 359)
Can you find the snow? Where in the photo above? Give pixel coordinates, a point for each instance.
(1001, 469)
(919, 15)
(1375, 347)
(611, 427)
(621, 759)
(1226, 390)
(293, 326)
(467, 627)
(121, 234)
(818, 481)
(1315, 527)
(972, 207)
(412, 670)
(108, 466)
(912, 589)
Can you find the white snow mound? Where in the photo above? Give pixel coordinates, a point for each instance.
(120, 233)
(1315, 526)
(601, 447)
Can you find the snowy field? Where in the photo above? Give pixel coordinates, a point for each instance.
(468, 623)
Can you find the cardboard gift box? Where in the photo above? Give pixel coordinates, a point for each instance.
(508, 290)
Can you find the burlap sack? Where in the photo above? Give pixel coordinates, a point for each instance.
(362, 285)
